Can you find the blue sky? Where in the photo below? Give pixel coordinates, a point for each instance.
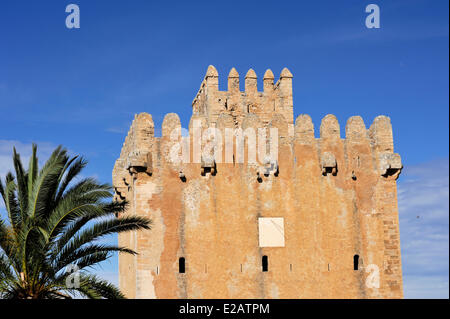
(81, 88)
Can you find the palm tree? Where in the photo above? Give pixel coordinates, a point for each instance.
(54, 223)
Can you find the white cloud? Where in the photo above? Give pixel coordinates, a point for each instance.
(420, 287)
(423, 195)
(24, 149)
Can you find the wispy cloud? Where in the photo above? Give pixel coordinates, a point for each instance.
(111, 277)
(423, 195)
(24, 149)
(420, 287)
(116, 129)
(360, 34)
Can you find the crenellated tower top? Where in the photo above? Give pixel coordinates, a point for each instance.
(274, 99)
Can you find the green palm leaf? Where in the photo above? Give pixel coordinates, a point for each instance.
(54, 223)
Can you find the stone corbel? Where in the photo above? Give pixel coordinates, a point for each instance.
(269, 167)
(139, 162)
(208, 165)
(390, 165)
(328, 164)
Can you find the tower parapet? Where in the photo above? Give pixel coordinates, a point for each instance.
(274, 99)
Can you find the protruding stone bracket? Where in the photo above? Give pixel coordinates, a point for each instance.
(140, 162)
(390, 165)
(208, 165)
(329, 164)
(269, 167)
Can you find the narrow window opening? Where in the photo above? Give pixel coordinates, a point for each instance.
(355, 262)
(241, 267)
(328, 267)
(290, 266)
(182, 265)
(265, 263)
(157, 270)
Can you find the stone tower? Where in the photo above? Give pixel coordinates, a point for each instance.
(316, 218)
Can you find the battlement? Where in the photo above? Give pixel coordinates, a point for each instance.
(142, 150)
(254, 205)
(275, 98)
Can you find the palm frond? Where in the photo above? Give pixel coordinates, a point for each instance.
(46, 184)
(74, 166)
(100, 287)
(11, 202)
(32, 169)
(21, 181)
(6, 273)
(54, 222)
(103, 228)
(87, 256)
